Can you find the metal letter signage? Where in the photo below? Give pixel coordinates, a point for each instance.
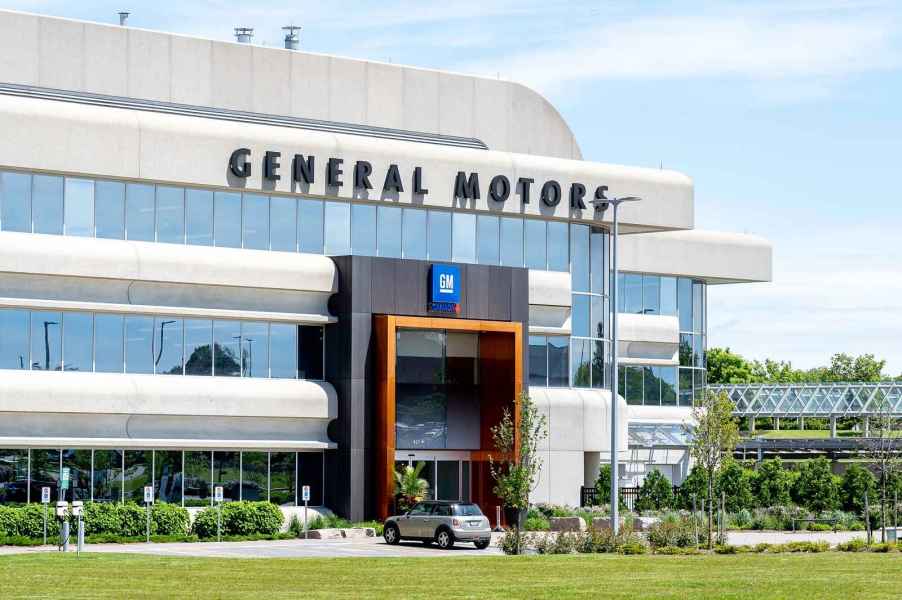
(445, 287)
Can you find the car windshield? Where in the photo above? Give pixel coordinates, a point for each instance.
(467, 510)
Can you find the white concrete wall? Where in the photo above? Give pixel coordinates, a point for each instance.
(107, 59)
(648, 339)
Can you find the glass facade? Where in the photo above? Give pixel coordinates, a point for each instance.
(180, 477)
(589, 342)
(177, 215)
(109, 343)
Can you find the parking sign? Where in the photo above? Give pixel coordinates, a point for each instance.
(217, 493)
(65, 478)
(148, 494)
(305, 493)
(45, 495)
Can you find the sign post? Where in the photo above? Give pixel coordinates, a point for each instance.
(148, 502)
(217, 498)
(64, 482)
(45, 500)
(305, 495)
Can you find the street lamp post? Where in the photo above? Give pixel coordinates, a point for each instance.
(615, 484)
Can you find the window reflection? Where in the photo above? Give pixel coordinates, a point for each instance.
(198, 347)
(363, 230)
(108, 476)
(487, 238)
(558, 251)
(310, 226)
(337, 228)
(47, 204)
(511, 242)
(168, 344)
(283, 224)
(580, 362)
(535, 244)
(45, 472)
(139, 356)
(538, 360)
(79, 338)
(79, 207)
(439, 235)
(463, 236)
(15, 202)
(108, 343)
(227, 348)
(170, 215)
(138, 473)
(579, 257)
(558, 361)
(46, 340)
(254, 476)
(254, 345)
(390, 231)
(283, 350)
(167, 476)
(198, 470)
(226, 473)
(199, 217)
(227, 219)
(139, 212)
(255, 222)
(109, 209)
(669, 296)
(414, 234)
(282, 474)
(78, 462)
(14, 339)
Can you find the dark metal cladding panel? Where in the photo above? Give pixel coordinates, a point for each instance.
(383, 286)
(519, 295)
(499, 294)
(362, 277)
(408, 288)
(477, 292)
(358, 355)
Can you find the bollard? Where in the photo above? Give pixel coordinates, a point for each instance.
(64, 535)
(81, 535)
(498, 519)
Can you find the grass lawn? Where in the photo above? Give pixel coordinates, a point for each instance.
(808, 576)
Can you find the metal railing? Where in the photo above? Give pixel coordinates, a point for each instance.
(588, 496)
(814, 400)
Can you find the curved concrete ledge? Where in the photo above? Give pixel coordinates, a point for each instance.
(648, 339)
(126, 394)
(549, 288)
(660, 414)
(715, 256)
(580, 419)
(37, 254)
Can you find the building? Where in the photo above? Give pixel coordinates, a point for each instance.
(257, 268)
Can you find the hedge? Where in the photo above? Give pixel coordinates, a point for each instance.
(100, 518)
(239, 518)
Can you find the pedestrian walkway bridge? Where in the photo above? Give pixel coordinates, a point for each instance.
(815, 400)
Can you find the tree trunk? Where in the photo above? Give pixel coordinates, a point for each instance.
(883, 504)
(710, 510)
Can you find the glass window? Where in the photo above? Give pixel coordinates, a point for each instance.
(448, 482)
(139, 212)
(227, 348)
(684, 303)
(197, 478)
(168, 338)
(138, 473)
(414, 234)
(108, 476)
(511, 242)
(538, 360)
(463, 236)
(170, 215)
(254, 343)
(167, 476)
(226, 473)
(558, 361)
(363, 230)
(651, 292)
(668, 385)
(283, 224)
(487, 239)
(632, 293)
(599, 367)
(109, 354)
(45, 472)
(668, 296)
(78, 341)
(310, 472)
(634, 379)
(198, 347)
(558, 255)
(579, 257)
(283, 344)
(598, 259)
(255, 476)
(109, 209)
(535, 244)
(698, 384)
(139, 356)
(439, 235)
(282, 473)
(579, 316)
(199, 217)
(698, 351)
(227, 219)
(79, 464)
(621, 292)
(686, 387)
(652, 386)
(79, 203)
(686, 350)
(580, 362)
(310, 352)
(14, 339)
(255, 222)
(47, 204)
(310, 226)
(15, 202)
(46, 340)
(338, 228)
(389, 231)
(598, 316)
(698, 307)
(13, 476)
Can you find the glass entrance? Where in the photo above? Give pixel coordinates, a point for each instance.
(448, 476)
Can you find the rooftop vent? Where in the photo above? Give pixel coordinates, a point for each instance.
(123, 18)
(244, 34)
(292, 39)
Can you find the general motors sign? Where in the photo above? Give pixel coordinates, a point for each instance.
(445, 288)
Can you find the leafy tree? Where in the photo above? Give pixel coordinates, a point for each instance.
(734, 481)
(656, 493)
(603, 484)
(409, 487)
(857, 481)
(816, 487)
(695, 484)
(882, 450)
(772, 483)
(844, 367)
(725, 366)
(713, 440)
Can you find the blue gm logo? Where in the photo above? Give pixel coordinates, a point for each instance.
(446, 282)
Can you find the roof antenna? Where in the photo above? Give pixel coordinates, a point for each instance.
(244, 34)
(123, 18)
(292, 39)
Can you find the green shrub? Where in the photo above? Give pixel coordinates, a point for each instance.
(725, 549)
(735, 483)
(678, 530)
(240, 519)
(9, 521)
(856, 482)
(772, 483)
(21, 540)
(816, 487)
(656, 493)
(562, 543)
(605, 541)
(509, 542)
(634, 547)
(31, 521)
(884, 547)
(696, 483)
(169, 519)
(536, 522)
(853, 545)
(329, 521)
(740, 520)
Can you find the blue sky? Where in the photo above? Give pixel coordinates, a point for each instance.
(788, 115)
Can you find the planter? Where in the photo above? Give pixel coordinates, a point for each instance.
(515, 517)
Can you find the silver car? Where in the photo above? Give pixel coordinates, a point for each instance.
(441, 522)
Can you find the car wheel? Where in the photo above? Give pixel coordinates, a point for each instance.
(444, 539)
(391, 534)
(481, 544)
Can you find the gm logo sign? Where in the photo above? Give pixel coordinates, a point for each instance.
(445, 288)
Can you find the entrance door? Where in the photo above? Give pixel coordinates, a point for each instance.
(447, 473)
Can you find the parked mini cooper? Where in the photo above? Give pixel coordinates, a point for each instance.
(441, 522)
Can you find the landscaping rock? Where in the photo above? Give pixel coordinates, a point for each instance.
(644, 523)
(567, 524)
(326, 534)
(600, 523)
(359, 532)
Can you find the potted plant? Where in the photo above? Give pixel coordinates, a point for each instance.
(409, 487)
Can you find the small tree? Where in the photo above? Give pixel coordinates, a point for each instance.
(772, 484)
(816, 487)
(515, 472)
(656, 493)
(603, 484)
(856, 482)
(714, 438)
(409, 487)
(883, 450)
(736, 484)
(695, 485)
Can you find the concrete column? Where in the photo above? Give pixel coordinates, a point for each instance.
(760, 454)
(802, 423)
(833, 427)
(867, 427)
(752, 424)
(777, 423)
